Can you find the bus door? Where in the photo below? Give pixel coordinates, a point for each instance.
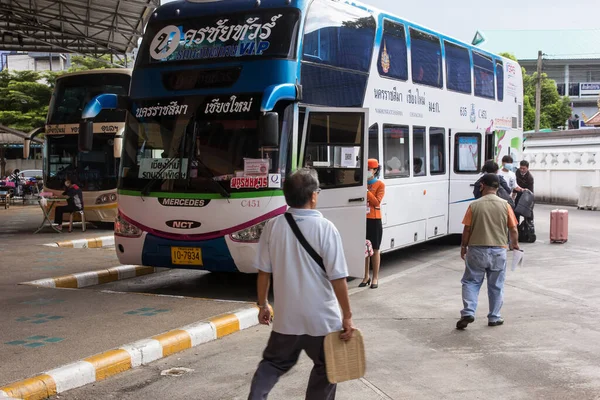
(467, 150)
(334, 142)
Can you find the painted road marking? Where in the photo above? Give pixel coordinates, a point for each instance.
(39, 318)
(42, 302)
(35, 341)
(147, 311)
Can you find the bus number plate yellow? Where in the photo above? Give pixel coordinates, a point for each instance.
(186, 255)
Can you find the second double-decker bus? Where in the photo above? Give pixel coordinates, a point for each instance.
(227, 98)
(95, 171)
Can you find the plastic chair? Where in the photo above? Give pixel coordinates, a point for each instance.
(82, 214)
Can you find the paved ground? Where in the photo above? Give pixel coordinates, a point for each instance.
(44, 328)
(548, 348)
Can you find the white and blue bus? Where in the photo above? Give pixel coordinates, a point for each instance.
(228, 97)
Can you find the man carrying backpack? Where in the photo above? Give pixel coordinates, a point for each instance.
(491, 167)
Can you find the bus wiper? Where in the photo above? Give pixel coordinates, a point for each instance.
(146, 189)
(211, 177)
(209, 174)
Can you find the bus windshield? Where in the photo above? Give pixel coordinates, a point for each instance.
(259, 33)
(92, 171)
(72, 93)
(194, 144)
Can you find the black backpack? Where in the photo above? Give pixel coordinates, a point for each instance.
(527, 231)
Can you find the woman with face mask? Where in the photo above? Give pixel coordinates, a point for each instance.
(375, 193)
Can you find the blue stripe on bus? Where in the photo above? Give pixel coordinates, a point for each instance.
(463, 201)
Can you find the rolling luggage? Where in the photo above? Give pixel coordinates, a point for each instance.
(559, 226)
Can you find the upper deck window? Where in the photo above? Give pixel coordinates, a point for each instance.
(426, 53)
(392, 62)
(72, 93)
(339, 36)
(500, 80)
(261, 33)
(484, 76)
(458, 68)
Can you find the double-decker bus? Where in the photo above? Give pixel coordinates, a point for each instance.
(227, 98)
(96, 171)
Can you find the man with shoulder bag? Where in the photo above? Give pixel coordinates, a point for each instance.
(303, 252)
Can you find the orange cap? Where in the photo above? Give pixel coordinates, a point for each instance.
(373, 163)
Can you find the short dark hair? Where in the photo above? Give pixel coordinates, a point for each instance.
(491, 180)
(490, 167)
(507, 159)
(418, 161)
(299, 187)
(524, 163)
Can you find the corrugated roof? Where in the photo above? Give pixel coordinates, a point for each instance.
(83, 26)
(13, 136)
(555, 44)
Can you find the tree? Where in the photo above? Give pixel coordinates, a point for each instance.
(554, 110)
(23, 100)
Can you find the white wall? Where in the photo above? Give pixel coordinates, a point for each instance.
(561, 163)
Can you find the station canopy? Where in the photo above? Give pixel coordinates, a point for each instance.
(82, 26)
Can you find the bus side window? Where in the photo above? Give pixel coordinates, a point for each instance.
(396, 151)
(374, 141)
(483, 70)
(419, 155)
(426, 58)
(437, 151)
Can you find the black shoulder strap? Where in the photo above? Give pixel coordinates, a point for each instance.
(315, 256)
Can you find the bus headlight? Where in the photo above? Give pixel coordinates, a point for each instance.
(251, 234)
(124, 228)
(106, 198)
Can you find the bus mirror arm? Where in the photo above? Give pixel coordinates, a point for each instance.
(268, 128)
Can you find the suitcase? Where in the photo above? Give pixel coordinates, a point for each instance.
(559, 226)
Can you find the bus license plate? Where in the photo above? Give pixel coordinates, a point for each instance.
(186, 255)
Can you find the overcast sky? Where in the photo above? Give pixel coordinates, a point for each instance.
(463, 18)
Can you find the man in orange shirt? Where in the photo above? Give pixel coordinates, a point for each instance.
(483, 248)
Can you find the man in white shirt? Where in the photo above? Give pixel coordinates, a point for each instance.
(507, 173)
(308, 298)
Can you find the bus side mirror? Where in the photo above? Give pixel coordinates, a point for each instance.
(26, 147)
(268, 128)
(86, 135)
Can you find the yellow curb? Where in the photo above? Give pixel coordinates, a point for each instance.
(110, 363)
(174, 341)
(36, 388)
(226, 324)
(67, 281)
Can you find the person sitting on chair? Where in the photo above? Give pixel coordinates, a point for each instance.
(74, 203)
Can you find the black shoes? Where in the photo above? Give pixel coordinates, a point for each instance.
(363, 284)
(464, 321)
(499, 322)
(374, 285)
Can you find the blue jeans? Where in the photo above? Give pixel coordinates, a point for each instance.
(481, 262)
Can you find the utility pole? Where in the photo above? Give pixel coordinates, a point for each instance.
(538, 92)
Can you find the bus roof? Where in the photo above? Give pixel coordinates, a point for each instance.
(194, 8)
(123, 71)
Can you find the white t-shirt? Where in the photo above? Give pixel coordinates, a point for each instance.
(305, 303)
(509, 177)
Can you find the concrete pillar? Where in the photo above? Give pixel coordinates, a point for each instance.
(567, 80)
